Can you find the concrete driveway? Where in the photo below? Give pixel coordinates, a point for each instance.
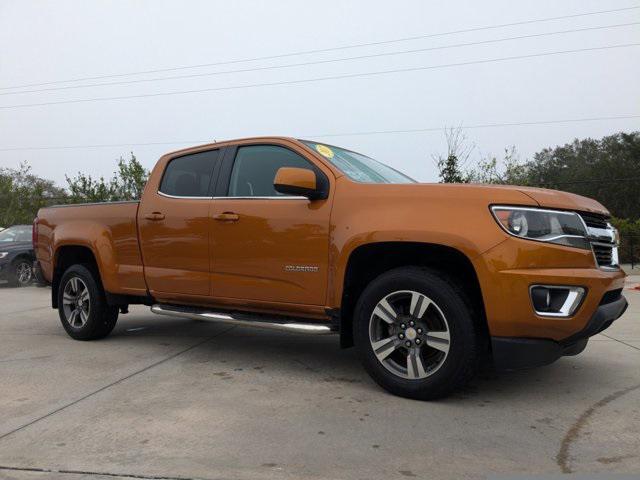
(179, 399)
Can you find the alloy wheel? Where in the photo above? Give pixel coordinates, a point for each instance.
(409, 334)
(76, 302)
(24, 273)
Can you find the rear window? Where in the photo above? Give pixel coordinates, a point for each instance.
(190, 175)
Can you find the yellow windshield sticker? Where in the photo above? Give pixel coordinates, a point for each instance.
(324, 151)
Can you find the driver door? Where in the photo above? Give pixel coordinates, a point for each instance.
(266, 246)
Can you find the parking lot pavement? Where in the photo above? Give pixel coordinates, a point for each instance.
(164, 398)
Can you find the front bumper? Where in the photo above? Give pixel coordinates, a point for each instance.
(512, 353)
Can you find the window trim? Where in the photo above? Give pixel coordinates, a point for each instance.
(229, 159)
(215, 170)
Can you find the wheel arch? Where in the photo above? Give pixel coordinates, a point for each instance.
(64, 257)
(370, 260)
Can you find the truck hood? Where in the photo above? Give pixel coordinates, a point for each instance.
(563, 200)
(493, 194)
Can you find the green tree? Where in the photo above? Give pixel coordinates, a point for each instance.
(127, 183)
(22, 193)
(607, 170)
(510, 170)
(451, 165)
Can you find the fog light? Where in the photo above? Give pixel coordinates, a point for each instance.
(556, 300)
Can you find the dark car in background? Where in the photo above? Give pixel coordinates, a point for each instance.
(16, 255)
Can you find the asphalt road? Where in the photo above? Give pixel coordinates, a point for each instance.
(164, 398)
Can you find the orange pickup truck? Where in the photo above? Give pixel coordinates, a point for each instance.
(426, 280)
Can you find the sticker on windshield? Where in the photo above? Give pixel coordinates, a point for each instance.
(324, 151)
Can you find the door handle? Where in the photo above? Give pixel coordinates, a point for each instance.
(227, 217)
(155, 216)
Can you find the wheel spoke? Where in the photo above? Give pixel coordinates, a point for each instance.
(83, 317)
(72, 318)
(385, 311)
(438, 340)
(415, 367)
(84, 296)
(383, 348)
(74, 285)
(419, 304)
(67, 299)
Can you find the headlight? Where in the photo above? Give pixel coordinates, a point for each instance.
(552, 226)
(3, 254)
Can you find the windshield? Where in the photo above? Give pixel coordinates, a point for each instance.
(19, 233)
(358, 167)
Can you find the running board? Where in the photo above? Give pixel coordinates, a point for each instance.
(271, 323)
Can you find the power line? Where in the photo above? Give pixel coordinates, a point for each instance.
(322, 50)
(479, 126)
(320, 79)
(327, 135)
(601, 180)
(318, 62)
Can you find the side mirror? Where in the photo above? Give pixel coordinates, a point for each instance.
(297, 181)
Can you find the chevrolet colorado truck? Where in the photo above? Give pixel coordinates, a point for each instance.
(426, 280)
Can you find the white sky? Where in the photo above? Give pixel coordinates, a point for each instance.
(43, 41)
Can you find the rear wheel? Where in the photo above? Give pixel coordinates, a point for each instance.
(415, 333)
(83, 310)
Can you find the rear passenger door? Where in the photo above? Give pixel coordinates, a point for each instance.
(173, 221)
(265, 246)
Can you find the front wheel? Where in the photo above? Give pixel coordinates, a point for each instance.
(416, 334)
(21, 273)
(82, 307)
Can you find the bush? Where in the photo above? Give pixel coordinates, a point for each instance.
(629, 239)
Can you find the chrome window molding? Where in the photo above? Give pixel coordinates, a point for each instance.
(283, 197)
(179, 197)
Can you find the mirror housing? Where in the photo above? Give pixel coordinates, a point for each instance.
(298, 181)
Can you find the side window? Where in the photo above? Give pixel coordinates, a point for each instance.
(255, 168)
(189, 176)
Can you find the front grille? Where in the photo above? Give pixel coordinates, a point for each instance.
(594, 220)
(603, 253)
(602, 238)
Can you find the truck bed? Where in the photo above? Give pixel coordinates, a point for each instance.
(108, 228)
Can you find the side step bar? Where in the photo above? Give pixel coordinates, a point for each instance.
(271, 323)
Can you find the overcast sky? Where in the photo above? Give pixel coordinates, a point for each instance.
(47, 41)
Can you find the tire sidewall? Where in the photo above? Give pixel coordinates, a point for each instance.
(100, 314)
(458, 316)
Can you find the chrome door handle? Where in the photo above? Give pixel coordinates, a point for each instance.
(155, 216)
(227, 217)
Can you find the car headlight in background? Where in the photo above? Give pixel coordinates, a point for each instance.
(3, 254)
(552, 226)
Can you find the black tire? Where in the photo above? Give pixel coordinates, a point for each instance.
(98, 319)
(20, 272)
(463, 354)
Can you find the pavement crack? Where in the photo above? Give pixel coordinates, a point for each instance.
(562, 458)
(116, 382)
(97, 474)
(620, 341)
